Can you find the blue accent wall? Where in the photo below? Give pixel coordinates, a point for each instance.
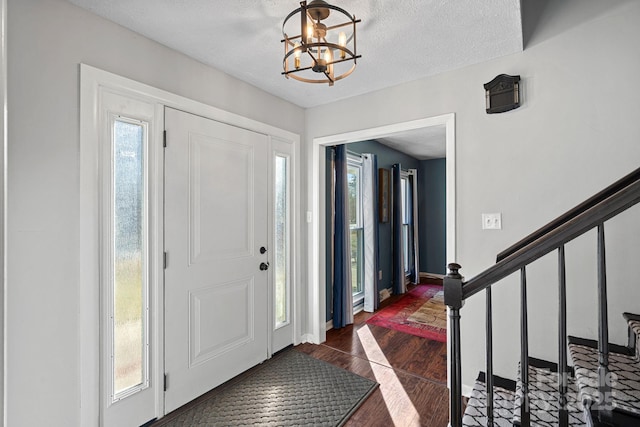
(386, 158)
(432, 218)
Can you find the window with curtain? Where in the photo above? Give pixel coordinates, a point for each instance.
(356, 227)
(406, 224)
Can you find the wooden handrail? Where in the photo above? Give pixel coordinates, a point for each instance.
(576, 226)
(591, 214)
(569, 215)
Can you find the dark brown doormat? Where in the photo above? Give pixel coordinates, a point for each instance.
(291, 389)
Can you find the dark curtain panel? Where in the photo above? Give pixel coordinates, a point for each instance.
(342, 293)
(370, 223)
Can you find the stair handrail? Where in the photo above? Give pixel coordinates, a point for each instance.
(571, 214)
(608, 208)
(590, 214)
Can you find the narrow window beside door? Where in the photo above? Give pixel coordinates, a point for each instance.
(129, 305)
(281, 240)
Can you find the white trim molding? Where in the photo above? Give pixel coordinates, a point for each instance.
(94, 82)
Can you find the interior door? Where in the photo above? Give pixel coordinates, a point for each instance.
(216, 222)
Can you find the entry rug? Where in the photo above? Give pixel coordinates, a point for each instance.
(291, 389)
(420, 312)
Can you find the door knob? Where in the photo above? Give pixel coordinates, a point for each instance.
(264, 266)
(263, 250)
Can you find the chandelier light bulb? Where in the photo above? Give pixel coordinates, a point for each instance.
(328, 57)
(342, 41)
(296, 54)
(309, 33)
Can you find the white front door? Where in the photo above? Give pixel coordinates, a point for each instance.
(216, 222)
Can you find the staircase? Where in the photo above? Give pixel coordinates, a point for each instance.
(582, 388)
(600, 384)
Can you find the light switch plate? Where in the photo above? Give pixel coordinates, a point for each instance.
(492, 221)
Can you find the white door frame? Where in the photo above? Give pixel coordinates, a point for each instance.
(92, 82)
(316, 254)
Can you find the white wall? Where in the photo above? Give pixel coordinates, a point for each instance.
(47, 40)
(577, 131)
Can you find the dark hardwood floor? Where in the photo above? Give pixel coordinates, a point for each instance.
(411, 371)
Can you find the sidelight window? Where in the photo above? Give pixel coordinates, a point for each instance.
(281, 240)
(129, 258)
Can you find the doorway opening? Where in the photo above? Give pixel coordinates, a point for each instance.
(317, 249)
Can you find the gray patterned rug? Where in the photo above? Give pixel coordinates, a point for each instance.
(291, 389)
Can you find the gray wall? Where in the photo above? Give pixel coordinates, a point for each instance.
(47, 40)
(432, 215)
(576, 132)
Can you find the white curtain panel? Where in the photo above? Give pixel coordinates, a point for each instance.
(370, 220)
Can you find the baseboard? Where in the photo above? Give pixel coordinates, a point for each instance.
(358, 308)
(329, 325)
(431, 275)
(307, 338)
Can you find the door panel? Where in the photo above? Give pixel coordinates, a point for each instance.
(216, 161)
(216, 303)
(208, 306)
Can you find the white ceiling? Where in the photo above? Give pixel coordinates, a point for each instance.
(422, 144)
(399, 40)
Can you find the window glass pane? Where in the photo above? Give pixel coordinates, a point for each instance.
(405, 237)
(129, 256)
(403, 189)
(406, 214)
(281, 240)
(353, 182)
(357, 262)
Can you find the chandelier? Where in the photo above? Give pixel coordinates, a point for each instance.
(323, 49)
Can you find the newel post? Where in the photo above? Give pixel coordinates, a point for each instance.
(453, 299)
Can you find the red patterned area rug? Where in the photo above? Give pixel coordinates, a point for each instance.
(420, 312)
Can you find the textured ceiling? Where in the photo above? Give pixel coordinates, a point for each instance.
(400, 41)
(422, 144)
